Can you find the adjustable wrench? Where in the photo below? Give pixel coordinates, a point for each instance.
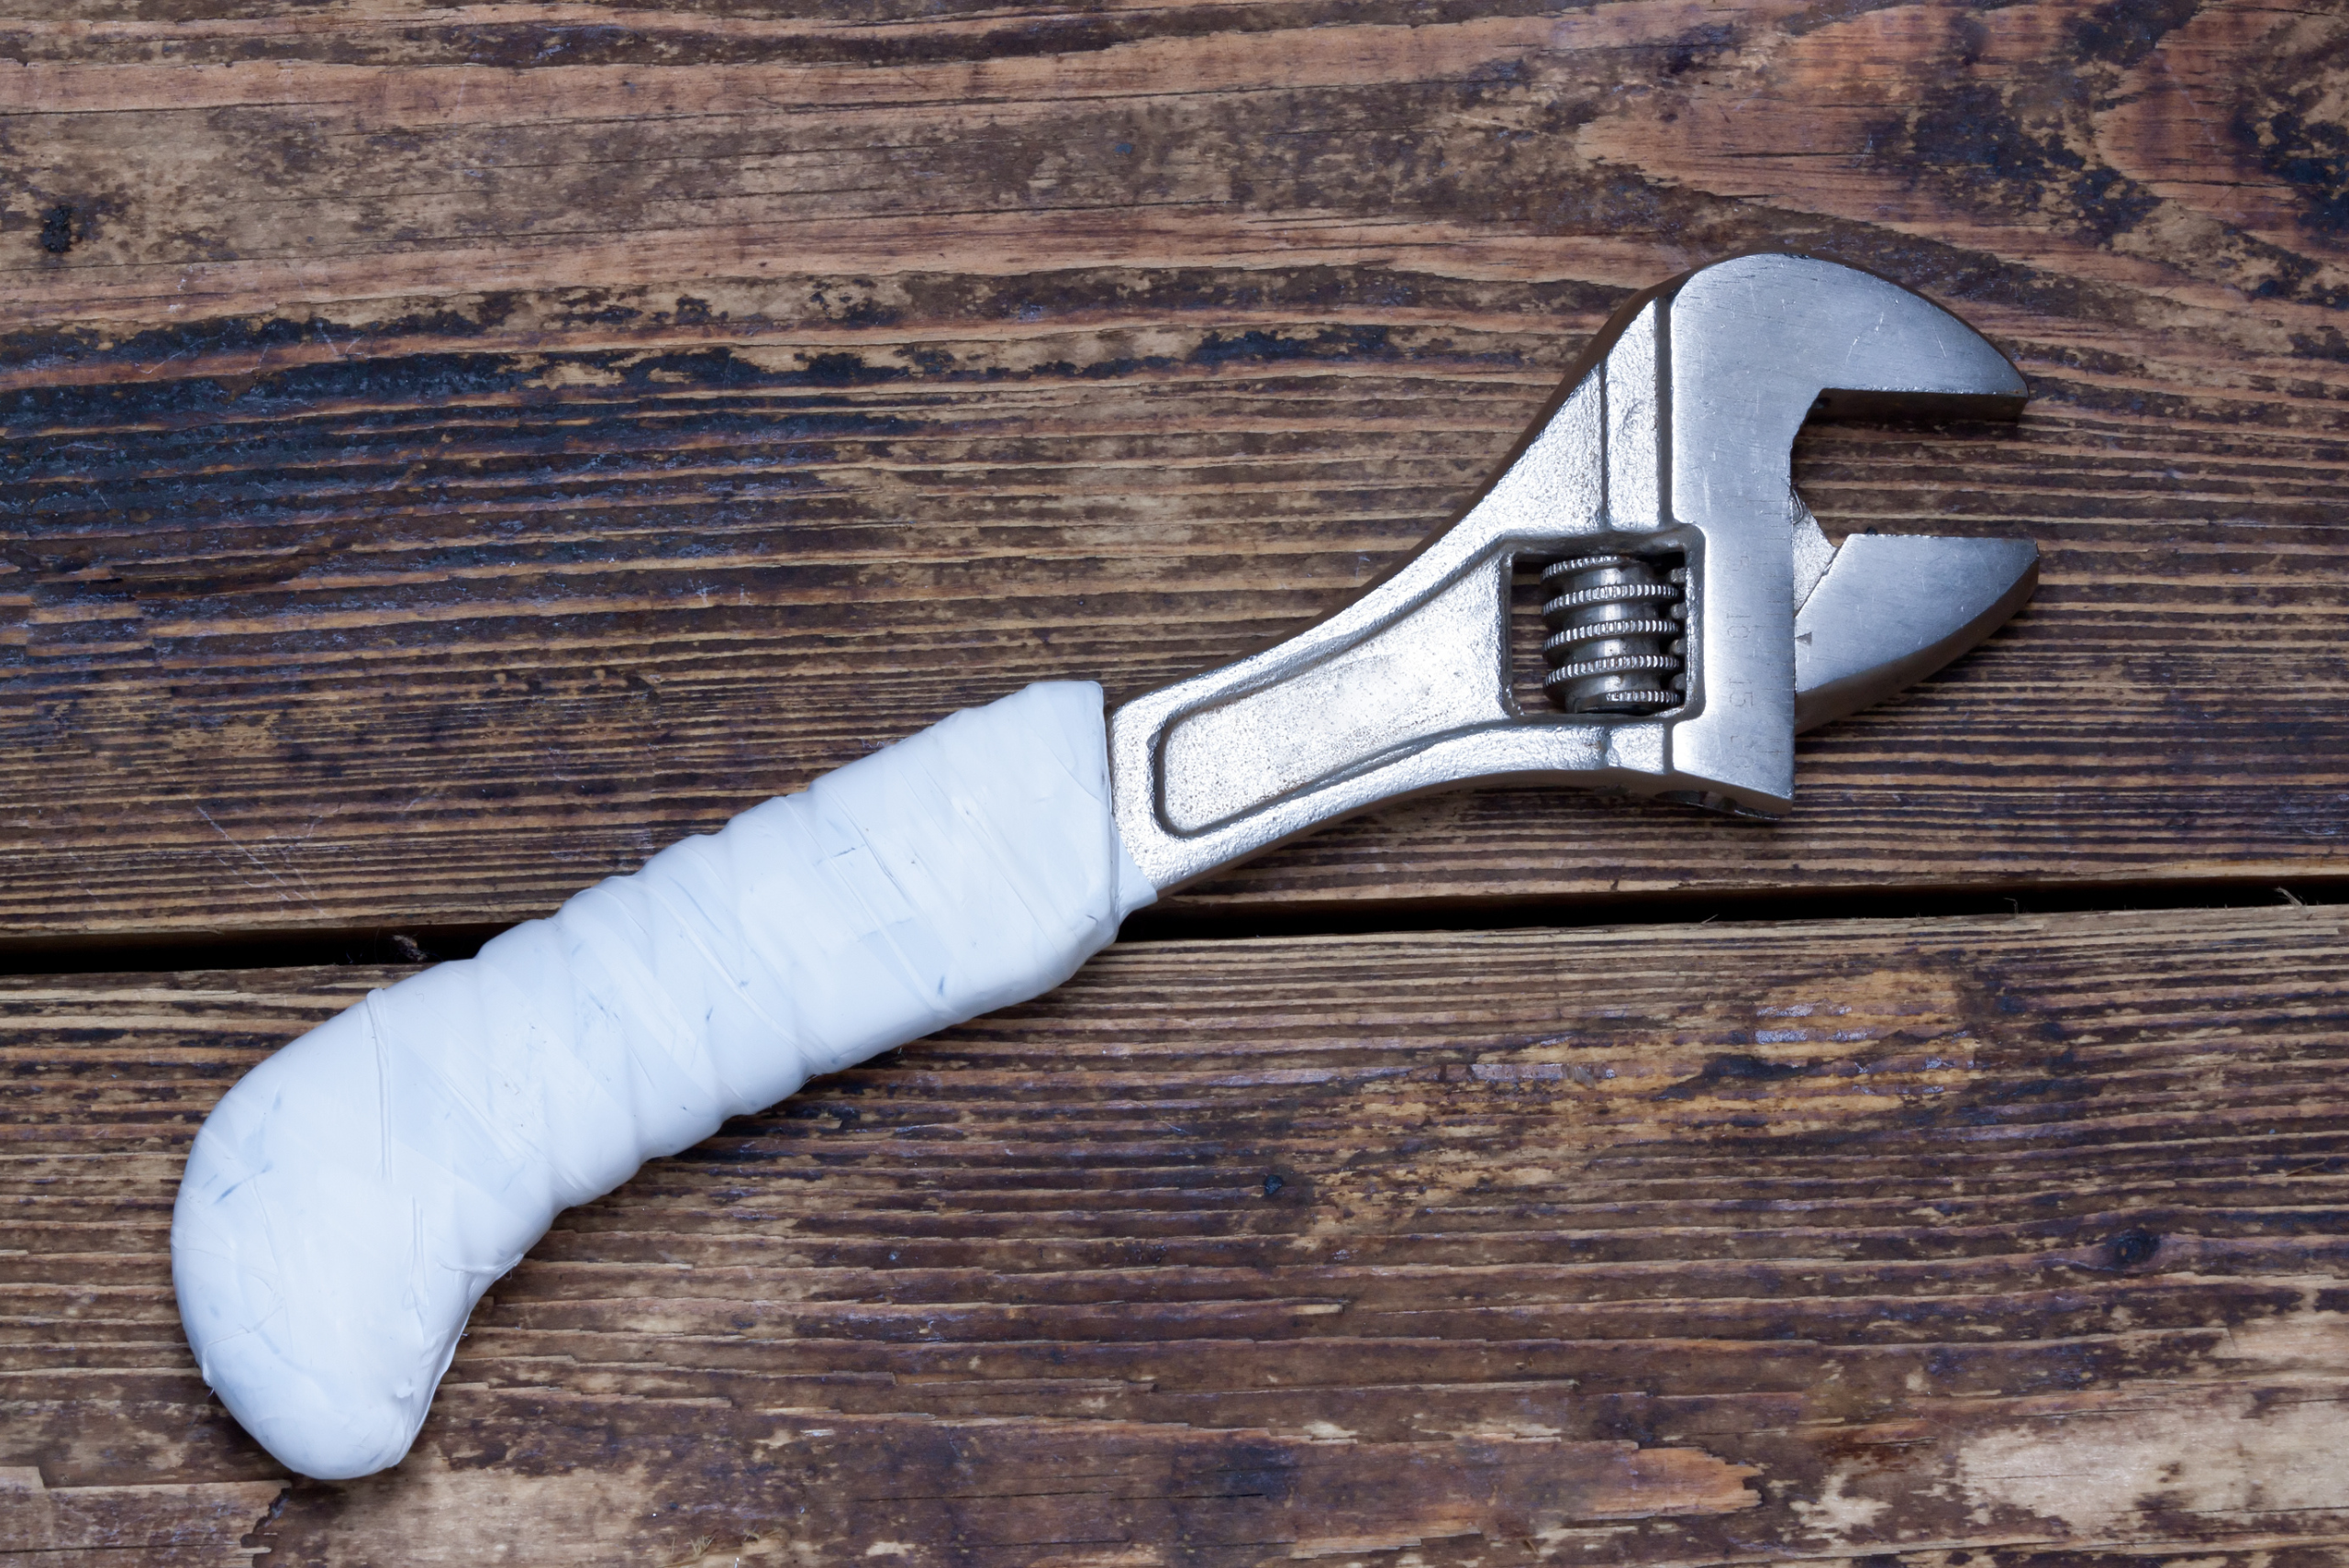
(346, 1203)
(1669, 443)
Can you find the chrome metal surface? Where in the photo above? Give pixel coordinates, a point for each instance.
(1894, 608)
(1670, 439)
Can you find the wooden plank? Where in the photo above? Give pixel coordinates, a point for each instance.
(204, 1523)
(1636, 1246)
(444, 463)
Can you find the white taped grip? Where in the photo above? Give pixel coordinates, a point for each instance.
(348, 1201)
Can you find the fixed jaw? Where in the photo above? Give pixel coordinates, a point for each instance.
(1658, 479)
(1746, 351)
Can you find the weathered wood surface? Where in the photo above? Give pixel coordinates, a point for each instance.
(1634, 1246)
(202, 1523)
(449, 454)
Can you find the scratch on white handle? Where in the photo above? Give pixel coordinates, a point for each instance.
(348, 1201)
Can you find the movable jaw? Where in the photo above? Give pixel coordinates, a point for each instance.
(1701, 617)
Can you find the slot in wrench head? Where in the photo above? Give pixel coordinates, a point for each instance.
(1672, 436)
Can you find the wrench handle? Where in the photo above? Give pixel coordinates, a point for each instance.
(348, 1201)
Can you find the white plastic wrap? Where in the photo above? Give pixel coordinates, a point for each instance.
(348, 1201)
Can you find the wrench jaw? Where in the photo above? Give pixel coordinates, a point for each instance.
(1671, 437)
(1751, 348)
(1893, 609)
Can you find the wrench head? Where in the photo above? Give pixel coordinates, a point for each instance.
(1671, 437)
(1706, 380)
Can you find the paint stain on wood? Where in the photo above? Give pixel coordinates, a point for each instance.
(2092, 1472)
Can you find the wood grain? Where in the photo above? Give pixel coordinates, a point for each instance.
(1641, 1246)
(443, 459)
(448, 453)
(202, 1523)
